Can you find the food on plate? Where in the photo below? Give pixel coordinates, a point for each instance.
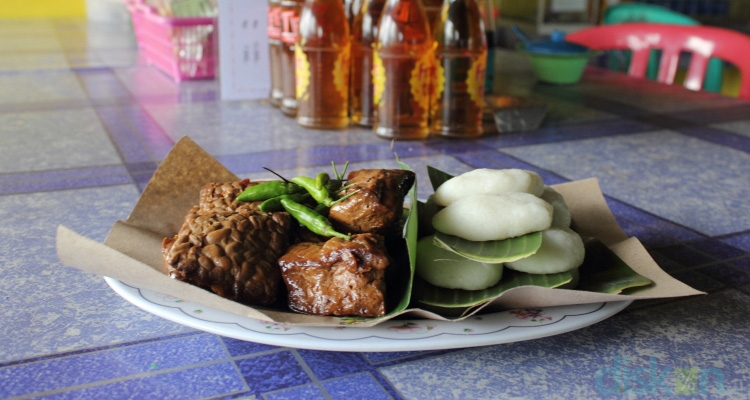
(231, 254)
(314, 245)
(561, 213)
(310, 219)
(488, 181)
(483, 217)
(562, 250)
(475, 214)
(267, 190)
(375, 202)
(446, 269)
(338, 277)
(222, 197)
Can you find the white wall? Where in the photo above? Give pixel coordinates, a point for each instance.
(106, 10)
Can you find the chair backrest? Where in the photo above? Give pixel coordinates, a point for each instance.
(644, 12)
(703, 42)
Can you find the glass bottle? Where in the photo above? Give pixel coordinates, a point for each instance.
(274, 48)
(290, 14)
(487, 8)
(403, 70)
(364, 32)
(432, 8)
(322, 58)
(461, 62)
(351, 9)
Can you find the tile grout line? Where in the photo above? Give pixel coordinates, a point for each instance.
(315, 381)
(123, 379)
(140, 107)
(98, 349)
(655, 119)
(234, 363)
(126, 378)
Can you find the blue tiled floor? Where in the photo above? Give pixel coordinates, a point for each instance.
(84, 123)
(45, 304)
(652, 170)
(359, 386)
(81, 370)
(198, 382)
(272, 372)
(619, 358)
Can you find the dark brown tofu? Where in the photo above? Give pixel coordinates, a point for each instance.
(377, 205)
(338, 277)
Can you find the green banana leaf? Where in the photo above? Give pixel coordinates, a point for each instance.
(410, 235)
(457, 298)
(399, 292)
(437, 177)
(492, 251)
(603, 272)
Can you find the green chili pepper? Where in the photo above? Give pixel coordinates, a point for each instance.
(268, 190)
(320, 194)
(334, 185)
(321, 180)
(310, 219)
(322, 209)
(274, 203)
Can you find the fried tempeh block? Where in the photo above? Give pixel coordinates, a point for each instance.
(229, 247)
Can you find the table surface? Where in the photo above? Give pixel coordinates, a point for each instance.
(84, 122)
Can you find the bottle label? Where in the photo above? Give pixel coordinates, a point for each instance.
(422, 81)
(302, 73)
(403, 13)
(341, 71)
(472, 85)
(439, 87)
(274, 23)
(378, 77)
(289, 26)
(475, 79)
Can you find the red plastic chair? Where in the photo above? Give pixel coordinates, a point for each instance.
(703, 42)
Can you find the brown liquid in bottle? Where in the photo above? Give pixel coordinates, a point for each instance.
(351, 9)
(364, 33)
(274, 49)
(457, 108)
(404, 66)
(322, 58)
(432, 8)
(290, 14)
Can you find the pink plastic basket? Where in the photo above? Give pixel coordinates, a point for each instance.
(184, 48)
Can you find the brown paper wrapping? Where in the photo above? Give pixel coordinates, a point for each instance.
(131, 253)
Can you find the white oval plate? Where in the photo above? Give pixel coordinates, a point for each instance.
(392, 335)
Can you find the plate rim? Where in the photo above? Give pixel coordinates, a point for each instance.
(306, 340)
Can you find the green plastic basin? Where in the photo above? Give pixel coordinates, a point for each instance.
(560, 69)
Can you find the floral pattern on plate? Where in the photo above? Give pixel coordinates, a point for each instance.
(533, 315)
(393, 335)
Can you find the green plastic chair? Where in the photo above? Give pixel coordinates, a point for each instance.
(640, 12)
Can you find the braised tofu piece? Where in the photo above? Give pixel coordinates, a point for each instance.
(377, 203)
(338, 277)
